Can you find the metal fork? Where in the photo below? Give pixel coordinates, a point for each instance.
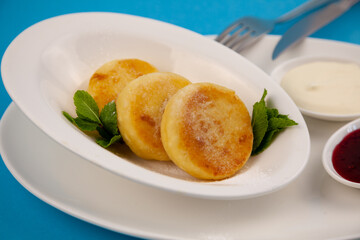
(247, 30)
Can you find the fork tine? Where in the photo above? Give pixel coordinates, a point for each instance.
(239, 40)
(246, 43)
(230, 40)
(229, 29)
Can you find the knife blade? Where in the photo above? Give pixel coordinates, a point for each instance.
(311, 24)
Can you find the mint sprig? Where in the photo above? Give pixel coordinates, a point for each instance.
(267, 123)
(86, 107)
(89, 119)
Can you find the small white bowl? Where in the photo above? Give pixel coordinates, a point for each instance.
(278, 73)
(333, 141)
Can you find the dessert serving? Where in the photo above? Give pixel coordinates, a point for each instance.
(203, 128)
(56, 74)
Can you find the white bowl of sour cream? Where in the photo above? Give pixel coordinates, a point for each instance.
(324, 88)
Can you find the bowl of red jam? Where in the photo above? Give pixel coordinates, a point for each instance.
(341, 154)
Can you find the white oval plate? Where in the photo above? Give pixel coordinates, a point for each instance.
(278, 73)
(48, 62)
(333, 141)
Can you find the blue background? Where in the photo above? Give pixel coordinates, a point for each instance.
(23, 216)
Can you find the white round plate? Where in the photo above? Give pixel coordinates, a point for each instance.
(75, 186)
(278, 73)
(333, 141)
(63, 52)
(314, 201)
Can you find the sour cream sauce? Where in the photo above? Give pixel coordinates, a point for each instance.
(325, 86)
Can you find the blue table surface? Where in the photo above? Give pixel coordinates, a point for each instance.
(22, 215)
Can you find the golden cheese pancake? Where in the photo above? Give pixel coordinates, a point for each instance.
(206, 131)
(140, 107)
(108, 81)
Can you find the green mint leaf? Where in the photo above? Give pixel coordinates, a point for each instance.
(275, 126)
(285, 117)
(106, 143)
(266, 141)
(86, 107)
(88, 118)
(108, 118)
(259, 121)
(85, 125)
(272, 112)
(280, 123)
(80, 123)
(267, 123)
(263, 96)
(68, 117)
(103, 133)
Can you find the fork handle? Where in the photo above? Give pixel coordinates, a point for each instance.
(305, 7)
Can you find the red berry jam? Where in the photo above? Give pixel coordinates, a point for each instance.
(346, 157)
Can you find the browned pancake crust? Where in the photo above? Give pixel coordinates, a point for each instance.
(140, 107)
(110, 79)
(214, 131)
